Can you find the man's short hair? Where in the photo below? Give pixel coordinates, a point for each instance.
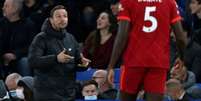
(56, 8)
(173, 84)
(12, 80)
(113, 2)
(89, 82)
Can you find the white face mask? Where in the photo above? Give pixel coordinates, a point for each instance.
(20, 93)
(93, 97)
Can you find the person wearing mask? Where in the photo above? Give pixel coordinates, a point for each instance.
(90, 90)
(26, 83)
(11, 81)
(15, 92)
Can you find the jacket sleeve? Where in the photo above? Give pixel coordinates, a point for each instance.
(36, 57)
(190, 81)
(77, 51)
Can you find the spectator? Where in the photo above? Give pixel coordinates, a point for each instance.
(175, 90)
(182, 6)
(98, 6)
(15, 91)
(16, 35)
(74, 26)
(195, 8)
(98, 45)
(33, 11)
(114, 6)
(27, 84)
(88, 20)
(106, 90)
(54, 55)
(192, 20)
(90, 90)
(12, 80)
(187, 79)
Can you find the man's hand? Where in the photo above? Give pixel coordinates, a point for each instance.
(85, 61)
(177, 69)
(64, 58)
(8, 57)
(178, 63)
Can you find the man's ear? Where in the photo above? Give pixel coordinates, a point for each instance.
(51, 20)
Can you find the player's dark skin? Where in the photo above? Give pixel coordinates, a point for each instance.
(120, 45)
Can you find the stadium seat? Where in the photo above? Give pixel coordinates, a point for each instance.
(85, 75)
(199, 85)
(117, 74)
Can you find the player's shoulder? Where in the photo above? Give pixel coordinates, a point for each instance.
(128, 3)
(170, 2)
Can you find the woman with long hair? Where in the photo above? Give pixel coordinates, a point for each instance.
(99, 43)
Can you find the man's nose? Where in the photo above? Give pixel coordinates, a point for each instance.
(64, 19)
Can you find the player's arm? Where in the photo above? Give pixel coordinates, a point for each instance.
(120, 42)
(118, 48)
(181, 37)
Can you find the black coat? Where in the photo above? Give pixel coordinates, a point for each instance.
(53, 81)
(15, 37)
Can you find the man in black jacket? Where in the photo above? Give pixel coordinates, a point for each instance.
(54, 55)
(16, 34)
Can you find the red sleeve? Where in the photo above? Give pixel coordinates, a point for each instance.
(174, 14)
(124, 10)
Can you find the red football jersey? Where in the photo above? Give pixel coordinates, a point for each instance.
(149, 34)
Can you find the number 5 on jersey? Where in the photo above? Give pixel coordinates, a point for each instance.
(152, 19)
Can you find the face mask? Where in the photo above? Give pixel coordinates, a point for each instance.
(93, 97)
(20, 93)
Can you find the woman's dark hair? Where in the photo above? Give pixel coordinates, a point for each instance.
(95, 35)
(199, 1)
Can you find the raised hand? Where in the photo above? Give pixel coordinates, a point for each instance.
(62, 57)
